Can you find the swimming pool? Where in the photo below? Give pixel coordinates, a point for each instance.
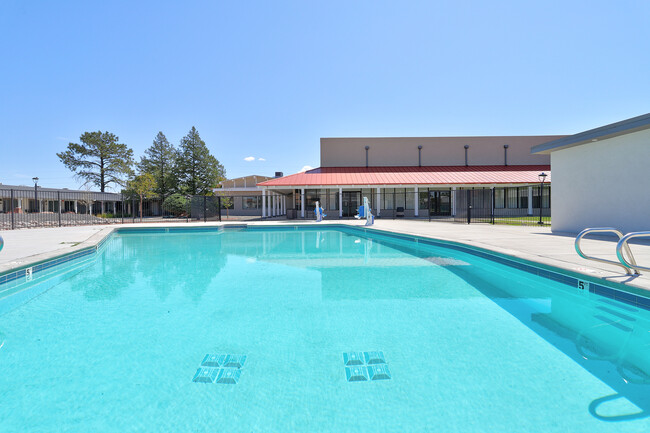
(457, 339)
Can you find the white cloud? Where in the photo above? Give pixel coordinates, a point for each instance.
(261, 159)
(306, 167)
(249, 158)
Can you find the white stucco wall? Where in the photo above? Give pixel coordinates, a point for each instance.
(603, 184)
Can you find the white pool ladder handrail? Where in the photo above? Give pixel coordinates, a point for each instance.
(628, 266)
(623, 244)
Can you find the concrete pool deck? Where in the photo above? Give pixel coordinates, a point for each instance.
(536, 244)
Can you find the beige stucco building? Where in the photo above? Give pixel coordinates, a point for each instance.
(414, 176)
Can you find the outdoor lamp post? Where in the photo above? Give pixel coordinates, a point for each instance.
(542, 178)
(35, 179)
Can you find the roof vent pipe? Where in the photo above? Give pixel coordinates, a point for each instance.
(505, 155)
(367, 147)
(466, 147)
(420, 156)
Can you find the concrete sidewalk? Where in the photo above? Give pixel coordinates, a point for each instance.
(531, 243)
(29, 245)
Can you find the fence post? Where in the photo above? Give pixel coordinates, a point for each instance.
(122, 212)
(58, 200)
(469, 206)
(493, 196)
(429, 202)
(13, 224)
(205, 216)
(133, 209)
(219, 204)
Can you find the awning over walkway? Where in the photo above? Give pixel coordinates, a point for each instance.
(432, 175)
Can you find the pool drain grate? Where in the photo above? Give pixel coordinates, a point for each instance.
(220, 368)
(365, 366)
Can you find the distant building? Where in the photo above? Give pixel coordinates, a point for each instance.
(244, 194)
(414, 176)
(26, 199)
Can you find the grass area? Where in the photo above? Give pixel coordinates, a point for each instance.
(522, 221)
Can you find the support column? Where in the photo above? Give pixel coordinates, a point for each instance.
(274, 204)
(263, 203)
(417, 203)
(340, 202)
(453, 201)
(75, 207)
(268, 205)
(302, 202)
(284, 205)
(378, 201)
(530, 200)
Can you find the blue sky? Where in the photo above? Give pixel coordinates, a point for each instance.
(267, 79)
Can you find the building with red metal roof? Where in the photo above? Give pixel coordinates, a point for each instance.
(413, 176)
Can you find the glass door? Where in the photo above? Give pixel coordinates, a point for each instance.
(440, 203)
(351, 202)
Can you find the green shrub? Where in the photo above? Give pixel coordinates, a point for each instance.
(177, 204)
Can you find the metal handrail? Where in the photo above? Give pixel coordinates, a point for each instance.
(622, 263)
(623, 244)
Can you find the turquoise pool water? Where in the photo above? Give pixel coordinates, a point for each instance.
(471, 345)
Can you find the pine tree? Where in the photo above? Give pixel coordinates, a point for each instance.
(197, 171)
(159, 162)
(100, 160)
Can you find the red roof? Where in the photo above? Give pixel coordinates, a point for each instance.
(432, 175)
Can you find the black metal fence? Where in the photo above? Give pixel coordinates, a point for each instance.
(504, 206)
(21, 208)
(517, 205)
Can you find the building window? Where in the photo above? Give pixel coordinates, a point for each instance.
(333, 201)
(251, 202)
(511, 196)
(410, 199)
(523, 197)
(424, 199)
(499, 198)
(311, 197)
(546, 202)
(388, 195)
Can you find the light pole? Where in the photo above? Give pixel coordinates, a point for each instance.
(35, 179)
(542, 178)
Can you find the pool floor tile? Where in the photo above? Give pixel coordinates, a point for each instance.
(206, 375)
(356, 373)
(234, 361)
(212, 360)
(379, 372)
(353, 358)
(229, 376)
(374, 358)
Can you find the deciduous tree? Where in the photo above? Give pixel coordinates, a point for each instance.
(143, 186)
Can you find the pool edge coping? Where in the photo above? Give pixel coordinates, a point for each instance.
(96, 240)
